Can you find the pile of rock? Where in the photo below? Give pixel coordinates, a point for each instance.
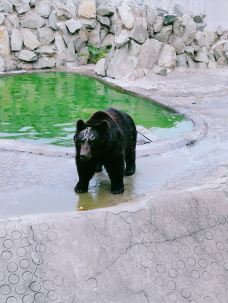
(148, 39)
(47, 34)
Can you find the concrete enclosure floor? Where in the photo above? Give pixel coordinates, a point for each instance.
(169, 244)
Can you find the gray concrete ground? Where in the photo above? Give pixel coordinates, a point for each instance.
(169, 244)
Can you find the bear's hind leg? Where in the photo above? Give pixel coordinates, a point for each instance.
(130, 162)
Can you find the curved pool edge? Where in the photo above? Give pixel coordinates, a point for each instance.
(198, 132)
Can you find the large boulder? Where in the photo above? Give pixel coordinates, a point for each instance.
(167, 57)
(32, 20)
(70, 52)
(46, 35)
(94, 36)
(139, 32)
(13, 20)
(22, 6)
(158, 24)
(151, 17)
(83, 56)
(48, 50)
(100, 68)
(16, 40)
(44, 62)
(63, 13)
(164, 34)
(121, 39)
(178, 44)
(29, 39)
(202, 55)
(126, 15)
(59, 43)
(43, 8)
(105, 10)
(26, 55)
(87, 9)
(104, 20)
(4, 42)
(73, 25)
(119, 63)
(149, 53)
(108, 40)
(182, 61)
(205, 38)
(52, 20)
(189, 29)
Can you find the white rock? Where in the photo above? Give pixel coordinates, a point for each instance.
(167, 57)
(52, 20)
(100, 67)
(43, 8)
(29, 39)
(202, 55)
(139, 32)
(73, 25)
(94, 36)
(177, 43)
(189, 29)
(45, 62)
(182, 61)
(48, 50)
(119, 63)
(160, 70)
(108, 40)
(104, 20)
(70, 52)
(2, 19)
(105, 10)
(59, 43)
(16, 40)
(32, 20)
(46, 35)
(87, 9)
(121, 39)
(149, 53)
(2, 65)
(158, 24)
(22, 6)
(26, 55)
(164, 33)
(126, 15)
(4, 42)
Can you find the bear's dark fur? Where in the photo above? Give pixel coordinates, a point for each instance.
(108, 138)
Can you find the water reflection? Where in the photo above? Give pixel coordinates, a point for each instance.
(46, 106)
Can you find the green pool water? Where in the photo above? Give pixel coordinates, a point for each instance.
(44, 107)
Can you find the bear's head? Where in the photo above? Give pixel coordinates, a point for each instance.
(90, 139)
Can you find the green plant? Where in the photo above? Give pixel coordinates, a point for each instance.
(96, 53)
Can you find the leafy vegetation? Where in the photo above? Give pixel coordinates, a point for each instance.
(95, 53)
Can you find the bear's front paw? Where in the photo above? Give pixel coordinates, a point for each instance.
(117, 191)
(129, 172)
(80, 189)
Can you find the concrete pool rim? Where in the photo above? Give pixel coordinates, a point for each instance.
(199, 128)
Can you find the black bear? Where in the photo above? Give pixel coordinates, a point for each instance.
(108, 138)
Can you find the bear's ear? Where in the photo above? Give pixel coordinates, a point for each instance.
(80, 125)
(103, 126)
